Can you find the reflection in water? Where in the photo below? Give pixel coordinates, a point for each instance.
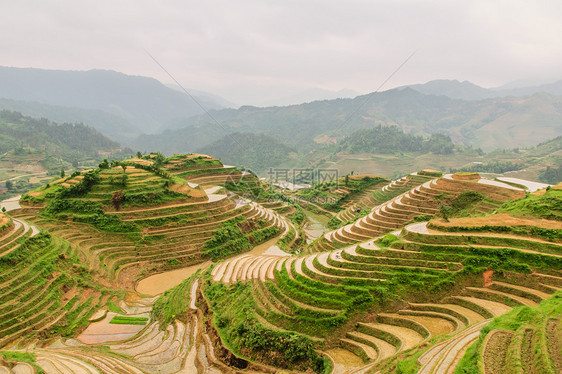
(313, 228)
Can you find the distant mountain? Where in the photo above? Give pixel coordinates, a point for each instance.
(207, 96)
(469, 91)
(143, 103)
(309, 95)
(108, 124)
(488, 124)
(453, 89)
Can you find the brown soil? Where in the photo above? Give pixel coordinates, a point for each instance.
(141, 161)
(488, 278)
(554, 342)
(495, 352)
(344, 358)
(185, 189)
(35, 194)
(130, 169)
(527, 351)
(325, 139)
(466, 176)
(3, 219)
(502, 219)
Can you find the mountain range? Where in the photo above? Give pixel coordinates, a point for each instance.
(469, 91)
(120, 105)
(145, 114)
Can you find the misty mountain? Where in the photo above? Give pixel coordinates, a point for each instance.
(143, 103)
(469, 91)
(113, 126)
(309, 95)
(506, 122)
(453, 89)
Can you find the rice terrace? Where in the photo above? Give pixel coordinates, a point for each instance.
(185, 265)
(290, 187)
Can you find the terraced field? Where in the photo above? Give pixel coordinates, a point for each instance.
(432, 297)
(420, 202)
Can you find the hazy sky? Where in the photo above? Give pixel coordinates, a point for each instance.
(250, 51)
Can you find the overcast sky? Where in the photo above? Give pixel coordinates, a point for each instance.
(250, 51)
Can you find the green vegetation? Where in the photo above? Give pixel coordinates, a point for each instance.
(229, 239)
(233, 311)
(391, 139)
(520, 320)
(26, 357)
(329, 194)
(551, 175)
(174, 303)
(547, 205)
(256, 152)
(497, 167)
(126, 320)
(462, 205)
(52, 145)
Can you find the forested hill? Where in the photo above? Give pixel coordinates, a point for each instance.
(70, 142)
(391, 139)
(253, 151)
(506, 122)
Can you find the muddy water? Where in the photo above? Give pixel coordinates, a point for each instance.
(343, 360)
(159, 283)
(314, 227)
(12, 203)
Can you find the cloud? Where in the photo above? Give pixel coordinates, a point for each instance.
(252, 50)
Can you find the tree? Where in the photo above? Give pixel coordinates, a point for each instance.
(62, 172)
(158, 159)
(9, 185)
(446, 211)
(139, 154)
(117, 199)
(104, 164)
